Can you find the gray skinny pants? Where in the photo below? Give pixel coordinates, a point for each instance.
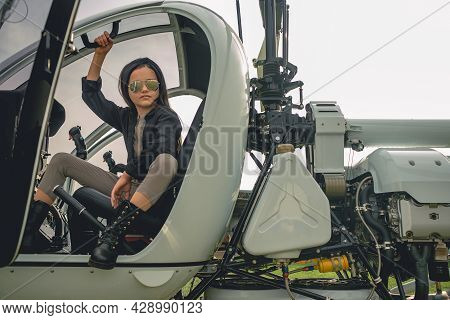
(65, 165)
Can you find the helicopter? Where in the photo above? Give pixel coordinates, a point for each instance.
(389, 215)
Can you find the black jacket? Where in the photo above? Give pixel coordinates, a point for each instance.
(161, 132)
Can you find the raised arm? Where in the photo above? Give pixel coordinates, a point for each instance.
(105, 44)
(105, 109)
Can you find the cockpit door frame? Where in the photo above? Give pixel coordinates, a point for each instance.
(19, 171)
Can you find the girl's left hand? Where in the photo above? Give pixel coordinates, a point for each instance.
(121, 190)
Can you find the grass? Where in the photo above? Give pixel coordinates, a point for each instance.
(316, 274)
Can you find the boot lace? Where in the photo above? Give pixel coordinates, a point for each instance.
(114, 233)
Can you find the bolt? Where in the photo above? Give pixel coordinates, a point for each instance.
(409, 234)
(435, 236)
(434, 216)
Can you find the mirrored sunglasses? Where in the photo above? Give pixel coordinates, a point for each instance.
(137, 85)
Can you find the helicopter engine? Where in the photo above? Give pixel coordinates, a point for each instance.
(401, 205)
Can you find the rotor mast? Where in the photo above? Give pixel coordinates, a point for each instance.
(276, 125)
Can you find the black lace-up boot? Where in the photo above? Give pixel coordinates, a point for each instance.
(37, 214)
(104, 256)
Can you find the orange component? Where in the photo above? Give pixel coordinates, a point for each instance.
(310, 262)
(333, 264)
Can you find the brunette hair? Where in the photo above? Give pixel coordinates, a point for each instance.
(124, 80)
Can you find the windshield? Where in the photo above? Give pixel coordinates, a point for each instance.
(21, 25)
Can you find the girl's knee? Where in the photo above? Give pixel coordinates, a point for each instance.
(60, 160)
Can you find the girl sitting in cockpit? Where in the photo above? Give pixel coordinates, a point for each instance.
(151, 130)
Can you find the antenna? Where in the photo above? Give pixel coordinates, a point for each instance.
(285, 8)
(238, 9)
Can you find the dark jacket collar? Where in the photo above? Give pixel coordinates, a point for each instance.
(148, 115)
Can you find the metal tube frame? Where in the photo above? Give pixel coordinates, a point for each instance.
(227, 265)
(381, 289)
(401, 289)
